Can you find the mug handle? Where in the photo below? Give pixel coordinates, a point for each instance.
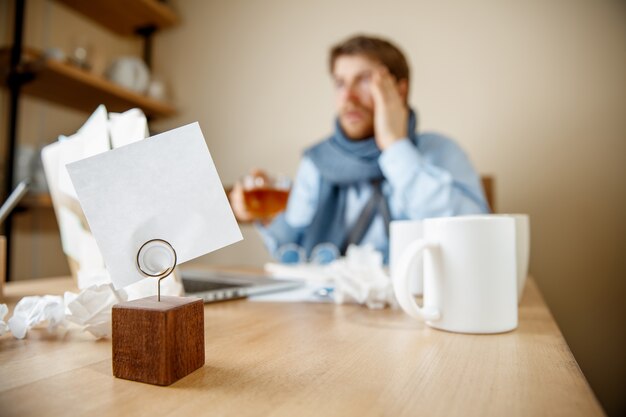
(401, 285)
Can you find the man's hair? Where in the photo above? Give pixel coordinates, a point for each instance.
(376, 49)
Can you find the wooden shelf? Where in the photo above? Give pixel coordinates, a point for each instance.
(125, 17)
(65, 84)
(39, 200)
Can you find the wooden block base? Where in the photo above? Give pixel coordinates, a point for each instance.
(158, 342)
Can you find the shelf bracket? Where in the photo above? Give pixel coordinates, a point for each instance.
(146, 33)
(15, 79)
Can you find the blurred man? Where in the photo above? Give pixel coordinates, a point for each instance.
(375, 167)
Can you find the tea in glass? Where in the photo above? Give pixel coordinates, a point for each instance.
(265, 202)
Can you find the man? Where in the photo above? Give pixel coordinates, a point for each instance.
(375, 167)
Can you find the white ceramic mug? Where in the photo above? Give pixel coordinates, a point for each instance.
(401, 234)
(522, 249)
(469, 274)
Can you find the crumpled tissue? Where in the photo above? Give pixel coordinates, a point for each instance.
(3, 312)
(34, 310)
(91, 309)
(360, 277)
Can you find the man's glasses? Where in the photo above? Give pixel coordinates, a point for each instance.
(322, 254)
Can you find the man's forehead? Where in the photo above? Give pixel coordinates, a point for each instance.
(353, 65)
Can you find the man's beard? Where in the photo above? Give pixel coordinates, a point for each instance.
(359, 129)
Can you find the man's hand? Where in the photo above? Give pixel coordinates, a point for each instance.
(238, 203)
(256, 178)
(390, 111)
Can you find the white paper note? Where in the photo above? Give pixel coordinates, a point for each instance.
(164, 187)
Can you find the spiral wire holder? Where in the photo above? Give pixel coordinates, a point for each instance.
(144, 250)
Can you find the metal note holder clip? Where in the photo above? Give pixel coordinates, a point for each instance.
(174, 326)
(156, 259)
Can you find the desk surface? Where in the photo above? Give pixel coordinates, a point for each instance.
(307, 360)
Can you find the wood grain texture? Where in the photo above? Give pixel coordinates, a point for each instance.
(158, 342)
(64, 84)
(489, 187)
(280, 359)
(124, 17)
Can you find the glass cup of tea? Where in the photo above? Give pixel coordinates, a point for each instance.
(265, 196)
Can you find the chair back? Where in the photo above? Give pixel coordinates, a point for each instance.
(488, 183)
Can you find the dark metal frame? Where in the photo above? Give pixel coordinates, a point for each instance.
(15, 79)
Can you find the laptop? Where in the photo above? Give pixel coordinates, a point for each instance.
(214, 286)
(14, 198)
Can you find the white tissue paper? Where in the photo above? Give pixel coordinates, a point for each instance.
(361, 278)
(31, 311)
(91, 309)
(128, 127)
(3, 312)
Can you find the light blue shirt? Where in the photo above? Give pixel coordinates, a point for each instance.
(434, 179)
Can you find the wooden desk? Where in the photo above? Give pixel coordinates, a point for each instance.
(307, 360)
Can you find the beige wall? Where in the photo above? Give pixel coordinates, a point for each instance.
(535, 91)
